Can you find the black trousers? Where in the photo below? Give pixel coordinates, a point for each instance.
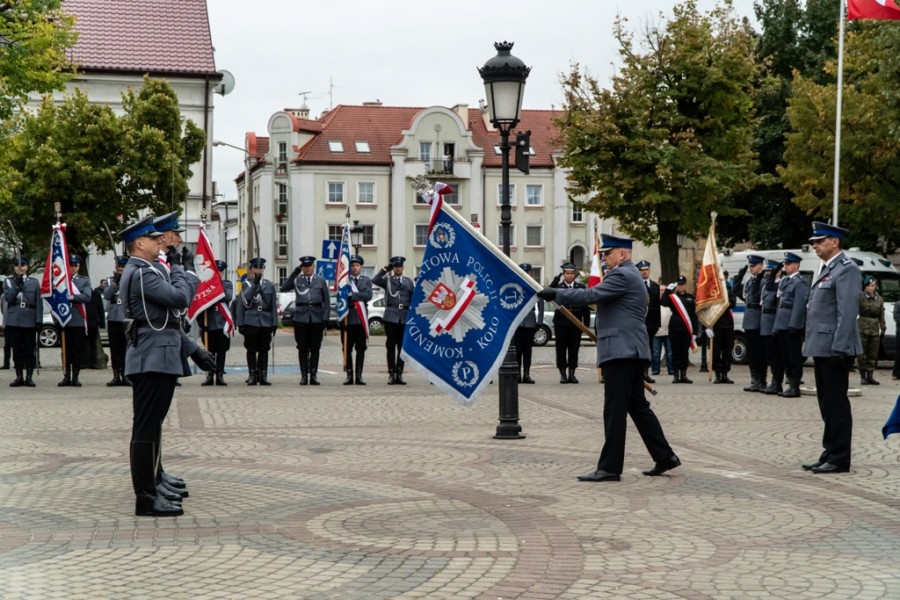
(257, 341)
(832, 382)
(394, 344)
(354, 338)
(151, 397)
(791, 346)
(756, 352)
(22, 342)
(117, 344)
(568, 343)
(623, 388)
(723, 344)
(773, 355)
(681, 345)
(219, 343)
(524, 342)
(309, 341)
(76, 338)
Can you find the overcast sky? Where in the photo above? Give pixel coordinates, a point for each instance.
(402, 52)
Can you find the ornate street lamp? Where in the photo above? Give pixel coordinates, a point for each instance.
(504, 78)
(357, 232)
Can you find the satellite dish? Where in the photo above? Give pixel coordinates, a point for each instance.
(225, 86)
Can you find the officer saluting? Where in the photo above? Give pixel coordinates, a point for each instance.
(398, 291)
(311, 305)
(568, 335)
(115, 324)
(750, 292)
(75, 330)
(257, 320)
(23, 316)
(153, 359)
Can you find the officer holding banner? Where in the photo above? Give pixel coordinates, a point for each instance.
(213, 322)
(398, 291)
(23, 317)
(356, 327)
(257, 321)
(76, 329)
(311, 305)
(623, 353)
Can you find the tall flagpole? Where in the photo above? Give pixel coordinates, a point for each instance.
(837, 125)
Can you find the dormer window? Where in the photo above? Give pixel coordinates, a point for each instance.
(362, 147)
(336, 146)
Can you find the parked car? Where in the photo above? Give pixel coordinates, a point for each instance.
(287, 317)
(545, 331)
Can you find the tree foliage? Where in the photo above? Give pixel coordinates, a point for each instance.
(870, 139)
(34, 36)
(671, 140)
(103, 169)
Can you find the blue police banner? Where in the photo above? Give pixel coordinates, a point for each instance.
(342, 275)
(892, 425)
(56, 285)
(468, 300)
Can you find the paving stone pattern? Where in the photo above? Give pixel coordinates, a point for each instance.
(391, 492)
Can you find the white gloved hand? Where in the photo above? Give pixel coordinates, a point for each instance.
(709, 333)
(671, 286)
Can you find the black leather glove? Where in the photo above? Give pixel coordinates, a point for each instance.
(186, 325)
(388, 268)
(296, 272)
(241, 330)
(742, 271)
(257, 279)
(203, 359)
(117, 278)
(19, 279)
(274, 331)
(548, 293)
(172, 256)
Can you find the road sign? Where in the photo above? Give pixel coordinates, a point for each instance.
(330, 249)
(326, 269)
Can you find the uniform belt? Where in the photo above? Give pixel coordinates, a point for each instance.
(310, 304)
(768, 311)
(169, 325)
(398, 306)
(786, 306)
(756, 306)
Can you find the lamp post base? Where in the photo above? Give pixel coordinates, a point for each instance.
(508, 428)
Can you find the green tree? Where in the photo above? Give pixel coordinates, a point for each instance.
(671, 140)
(34, 36)
(870, 140)
(101, 168)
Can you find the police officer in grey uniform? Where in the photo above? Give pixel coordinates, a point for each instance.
(568, 335)
(75, 330)
(524, 336)
(24, 314)
(768, 300)
(749, 291)
(311, 305)
(257, 320)
(623, 351)
(790, 321)
(398, 291)
(355, 334)
(153, 359)
(832, 340)
(212, 321)
(115, 325)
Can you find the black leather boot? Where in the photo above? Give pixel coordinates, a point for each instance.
(563, 378)
(304, 377)
(684, 377)
(19, 381)
(209, 379)
(28, 380)
(399, 372)
(220, 378)
(392, 377)
(349, 370)
(251, 380)
(718, 377)
(526, 375)
(571, 377)
(314, 367)
(148, 502)
(793, 388)
(75, 382)
(360, 361)
(725, 378)
(775, 387)
(116, 380)
(870, 376)
(263, 367)
(67, 378)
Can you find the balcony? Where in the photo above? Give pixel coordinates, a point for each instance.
(439, 166)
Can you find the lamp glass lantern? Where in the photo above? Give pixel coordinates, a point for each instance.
(356, 235)
(504, 78)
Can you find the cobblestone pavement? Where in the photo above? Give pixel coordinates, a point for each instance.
(398, 492)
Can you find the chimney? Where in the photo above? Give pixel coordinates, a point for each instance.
(375, 102)
(463, 111)
(300, 113)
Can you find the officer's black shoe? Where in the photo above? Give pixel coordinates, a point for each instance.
(871, 379)
(718, 377)
(66, 382)
(571, 377)
(813, 465)
(392, 377)
(173, 481)
(304, 380)
(773, 388)
(19, 381)
(830, 468)
(684, 377)
(125, 381)
(264, 378)
(725, 378)
(180, 492)
(563, 378)
(28, 380)
(209, 379)
(116, 380)
(349, 379)
(220, 378)
(648, 379)
(359, 379)
(526, 377)
(177, 383)
(661, 467)
(313, 379)
(400, 376)
(251, 380)
(151, 505)
(600, 475)
(163, 492)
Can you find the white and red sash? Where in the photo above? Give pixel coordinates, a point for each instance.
(682, 312)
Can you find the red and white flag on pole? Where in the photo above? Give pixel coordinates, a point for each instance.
(873, 9)
(596, 275)
(712, 295)
(210, 291)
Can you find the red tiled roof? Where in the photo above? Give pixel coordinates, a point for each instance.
(381, 127)
(143, 36)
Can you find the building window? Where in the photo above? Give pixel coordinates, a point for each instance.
(577, 212)
(421, 234)
(537, 273)
(452, 196)
(282, 240)
(282, 152)
(363, 147)
(368, 238)
(365, 192)
(282, 200)
(512, 194)
(335, 232)
(512, 236)
(336, 146)
(425, 151)
(534, 195)
(335, 192)
(281, 277)
(534, 235)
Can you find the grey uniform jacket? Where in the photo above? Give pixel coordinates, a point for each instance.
(312, 299)
(215, 320)
(116, 310)
(398, 293)
(833, 307)
(621, 300)
(155, 302)
(362, 294)
(24, 305)
(83, 290)
(749, 291)
(793, 293)
(257, 305)
(768, 299)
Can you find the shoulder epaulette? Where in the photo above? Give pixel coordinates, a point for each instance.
(846, 261)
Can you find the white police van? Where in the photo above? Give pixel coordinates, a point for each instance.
(869, 263)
